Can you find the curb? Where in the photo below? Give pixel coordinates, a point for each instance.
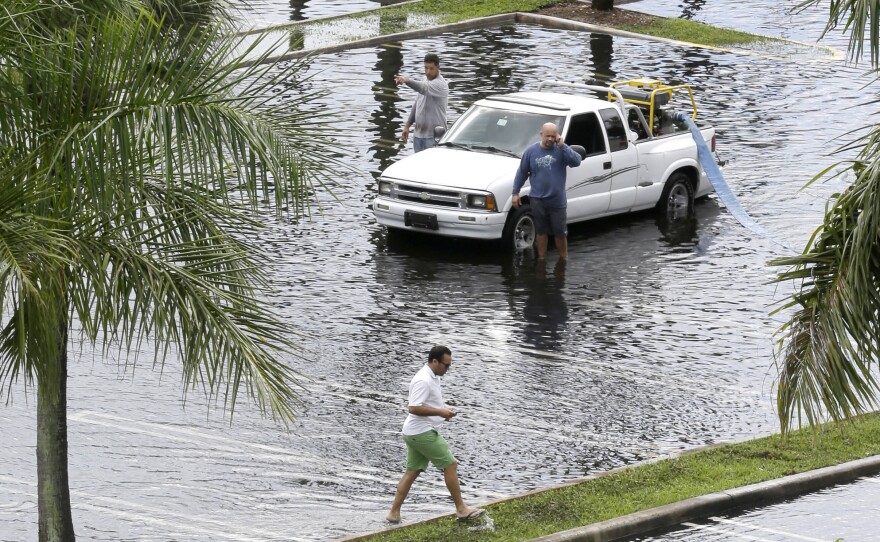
(675, 513)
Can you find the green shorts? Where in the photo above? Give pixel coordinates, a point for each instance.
(427, 446)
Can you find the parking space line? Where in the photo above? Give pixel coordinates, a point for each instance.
(765, 529)
(724, 531)
(638, 375)
(209, 526)
(175, 524)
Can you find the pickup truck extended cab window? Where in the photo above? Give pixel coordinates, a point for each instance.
(617, 134)
(584, 130)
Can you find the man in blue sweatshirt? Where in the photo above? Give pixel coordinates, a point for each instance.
(544, 165)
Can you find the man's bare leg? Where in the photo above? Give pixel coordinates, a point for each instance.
(450, 476)
(403, 487)
(541, 245)
(561, 246)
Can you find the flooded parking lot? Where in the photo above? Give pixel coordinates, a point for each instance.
(649, 341)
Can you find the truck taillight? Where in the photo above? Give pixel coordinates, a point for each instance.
(713, 142)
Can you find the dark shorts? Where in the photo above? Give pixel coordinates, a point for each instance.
(549, 220)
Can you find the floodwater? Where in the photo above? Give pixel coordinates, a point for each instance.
(262, 13)
(648, 342)
(816, 517)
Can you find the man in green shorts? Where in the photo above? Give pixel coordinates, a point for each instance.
(423, 443)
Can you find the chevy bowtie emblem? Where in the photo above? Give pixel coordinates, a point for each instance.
(424, 196)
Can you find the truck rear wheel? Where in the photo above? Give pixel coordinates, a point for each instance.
(677, 199)
(519, 232)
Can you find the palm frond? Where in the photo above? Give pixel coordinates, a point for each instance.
(158, 147)
(861, 18)
(829, 348)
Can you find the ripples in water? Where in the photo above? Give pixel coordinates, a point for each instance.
(650, 340)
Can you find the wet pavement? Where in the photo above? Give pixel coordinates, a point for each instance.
(845, 513)
(650, 341)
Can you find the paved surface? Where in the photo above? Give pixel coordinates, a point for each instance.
(847, 512)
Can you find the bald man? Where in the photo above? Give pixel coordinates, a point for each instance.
(543, 164)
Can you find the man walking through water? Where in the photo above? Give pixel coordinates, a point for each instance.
(429, 110)
(423, 443)
(544, 165)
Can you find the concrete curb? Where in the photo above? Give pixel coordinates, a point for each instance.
(469, 24)
(675, 513)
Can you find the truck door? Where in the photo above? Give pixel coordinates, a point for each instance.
(624, 162)
(588, 185)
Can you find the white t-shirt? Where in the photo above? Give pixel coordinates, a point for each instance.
(424, 389)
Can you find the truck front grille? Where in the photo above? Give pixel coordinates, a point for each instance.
(429, 196)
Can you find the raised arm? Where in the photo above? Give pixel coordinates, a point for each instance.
(436, 88)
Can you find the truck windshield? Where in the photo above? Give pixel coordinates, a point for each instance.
(511, 131)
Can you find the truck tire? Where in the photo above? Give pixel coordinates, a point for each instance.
(677, 199)
(519, 232)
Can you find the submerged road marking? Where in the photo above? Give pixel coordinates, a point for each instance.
(230, 446)
(227, 527)
(643, 375)
(175, 524)
(726, 532)
(765, 529)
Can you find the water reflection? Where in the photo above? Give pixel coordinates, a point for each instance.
(545, 311)
(691, 7)
(602, 56)
(386, 118)
(297, 10)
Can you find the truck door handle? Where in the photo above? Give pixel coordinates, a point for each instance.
(606, 165)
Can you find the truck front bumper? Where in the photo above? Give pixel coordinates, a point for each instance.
(448, 222)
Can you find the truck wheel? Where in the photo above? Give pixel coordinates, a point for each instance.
(519, 233)
(677, 199)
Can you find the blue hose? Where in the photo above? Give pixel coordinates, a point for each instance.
(721, 188)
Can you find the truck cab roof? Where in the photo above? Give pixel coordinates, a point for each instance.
(546, 102)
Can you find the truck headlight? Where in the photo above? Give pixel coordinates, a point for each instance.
(384, 187)
(482, 201)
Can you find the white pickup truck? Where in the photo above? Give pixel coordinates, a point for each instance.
(462, 187)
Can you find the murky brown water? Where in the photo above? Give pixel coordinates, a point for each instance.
(648, 342)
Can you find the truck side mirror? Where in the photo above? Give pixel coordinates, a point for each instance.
(439, 131)
(580, 150)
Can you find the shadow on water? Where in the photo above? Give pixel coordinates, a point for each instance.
(536, 293)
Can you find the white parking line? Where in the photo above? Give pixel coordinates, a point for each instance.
(632, 373)
(181, 521)
(222, 534)
(765, 529)
(723, 531)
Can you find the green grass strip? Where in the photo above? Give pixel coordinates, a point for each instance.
(654, 484)
(694, 32)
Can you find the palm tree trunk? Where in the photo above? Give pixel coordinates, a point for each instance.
(603, 5)
(55, 518)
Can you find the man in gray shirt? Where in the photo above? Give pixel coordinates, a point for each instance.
(430, 107)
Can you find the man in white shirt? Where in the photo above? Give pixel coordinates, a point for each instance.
(423, 443)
